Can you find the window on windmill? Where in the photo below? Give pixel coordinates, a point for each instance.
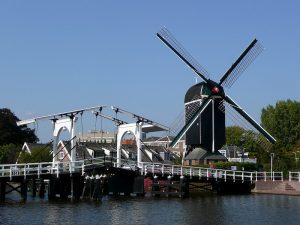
(61, 155)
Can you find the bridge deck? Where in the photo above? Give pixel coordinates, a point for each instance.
(14, 171)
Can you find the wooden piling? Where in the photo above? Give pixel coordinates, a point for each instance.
(42, 188)
(33, 187)
(2, 191)
(24, 186)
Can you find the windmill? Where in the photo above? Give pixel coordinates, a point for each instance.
(204, 121)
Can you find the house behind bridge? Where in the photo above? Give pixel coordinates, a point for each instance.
(90, 150)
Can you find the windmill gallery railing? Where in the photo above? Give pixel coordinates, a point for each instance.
(57, 168)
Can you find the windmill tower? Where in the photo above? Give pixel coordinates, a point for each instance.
(205, 122)
(209, 129)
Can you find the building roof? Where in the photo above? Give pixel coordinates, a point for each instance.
(167, 138)
(151, 139)
(30, 146)
(201, 154)
(232, 151)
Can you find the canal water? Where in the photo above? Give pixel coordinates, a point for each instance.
(211, 209)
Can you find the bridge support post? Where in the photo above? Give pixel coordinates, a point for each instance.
(2, 191)
(184, 187)
(33, 186)
(24, 190)
(97, 193)
(77, 186)
(42, 189)
(51, 188)
(86, 188)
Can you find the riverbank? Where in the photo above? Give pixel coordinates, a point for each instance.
(277, 187)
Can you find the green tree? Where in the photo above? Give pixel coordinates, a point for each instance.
(283, 122)
(9, 153)
(11, 133)
(39, 154)
(234, 135)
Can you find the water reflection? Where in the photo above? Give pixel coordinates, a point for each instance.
(221, 210)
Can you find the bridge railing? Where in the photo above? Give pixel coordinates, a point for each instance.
(294, 176)
(268, 176)
(11, 170)
(208, 173)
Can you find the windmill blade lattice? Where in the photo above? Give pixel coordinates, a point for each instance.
(177, 124)
(250, 119)
(241, 64)
(191, 121)
(166, 36)
(233, 118)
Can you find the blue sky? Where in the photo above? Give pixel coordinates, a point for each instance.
(57, 56)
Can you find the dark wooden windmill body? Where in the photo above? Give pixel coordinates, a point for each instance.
(208, 131)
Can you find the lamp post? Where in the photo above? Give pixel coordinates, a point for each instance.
(296, 158)
(272, 156)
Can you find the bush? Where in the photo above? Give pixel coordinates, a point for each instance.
(239, 166)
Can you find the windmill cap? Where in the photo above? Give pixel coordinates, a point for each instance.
(197, 91)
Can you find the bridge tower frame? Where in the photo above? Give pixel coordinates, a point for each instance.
(136, 130)
(60, 125)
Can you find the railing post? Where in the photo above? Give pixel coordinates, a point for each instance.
(181, 171)
(225, 175)
(25, 171)
(71, 167)
(298, 176)
(200, 173)
(57, 168)
(255, 175)
(39, 171)
(142, 168)
(251, 177)
(82, 168)
(265, 176)
(152, 168)
(10, 173)
(281, 176)
(162, 169)
(242, 176)
(172, 170)
(207, 174)
(272, 175)
(191, 172)
(233, 176)
(290, 176)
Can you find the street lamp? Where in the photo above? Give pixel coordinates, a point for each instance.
(296, 158)
(272, 156)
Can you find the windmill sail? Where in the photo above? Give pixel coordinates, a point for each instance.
(241, 64)
(166, 37)
(250, 119)
(216, 89)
